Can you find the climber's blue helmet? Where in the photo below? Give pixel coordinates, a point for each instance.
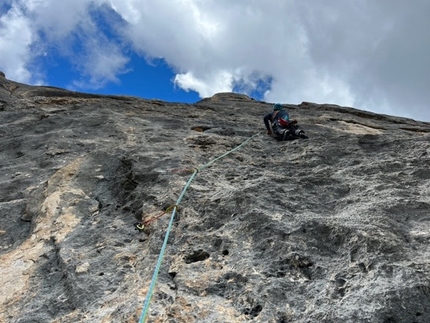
(277, 107)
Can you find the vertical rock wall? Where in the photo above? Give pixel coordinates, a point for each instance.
(330, 229)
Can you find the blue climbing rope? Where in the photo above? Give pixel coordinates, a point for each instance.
(229, 152)
(169, 227)
(163, 249)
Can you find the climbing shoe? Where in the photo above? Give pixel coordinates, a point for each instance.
(302, 135)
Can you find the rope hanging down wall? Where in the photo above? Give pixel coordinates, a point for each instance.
(169, 227)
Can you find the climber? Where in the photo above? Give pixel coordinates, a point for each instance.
(279, 125)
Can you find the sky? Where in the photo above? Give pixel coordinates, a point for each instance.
(372, 55)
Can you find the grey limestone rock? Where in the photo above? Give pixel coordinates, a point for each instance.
(334, 228)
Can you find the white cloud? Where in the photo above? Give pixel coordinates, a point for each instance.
(33, 28)
(57, 19)
(214, 83)
(15, 40)
(101, 66)
(368, 54)
(379, 49)
(215, 44)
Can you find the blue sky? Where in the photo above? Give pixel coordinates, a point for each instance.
(149, 80)
(372, 55)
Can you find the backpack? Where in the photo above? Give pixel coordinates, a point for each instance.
(284, 123)
(281, 120)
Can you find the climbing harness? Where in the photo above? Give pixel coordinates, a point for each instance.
(169, 227)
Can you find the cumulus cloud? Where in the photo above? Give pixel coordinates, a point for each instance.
(210, 84)
(379, 49)
(368, 54)
(16, 38)
(101, 66)
(32, 29)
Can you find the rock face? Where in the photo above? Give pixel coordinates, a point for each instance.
(334, 228)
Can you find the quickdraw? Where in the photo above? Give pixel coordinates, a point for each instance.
(140, 226)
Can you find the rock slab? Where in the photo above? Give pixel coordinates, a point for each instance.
(335, 228)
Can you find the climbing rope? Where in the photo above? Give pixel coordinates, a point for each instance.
(229, 152)
(169, 227)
